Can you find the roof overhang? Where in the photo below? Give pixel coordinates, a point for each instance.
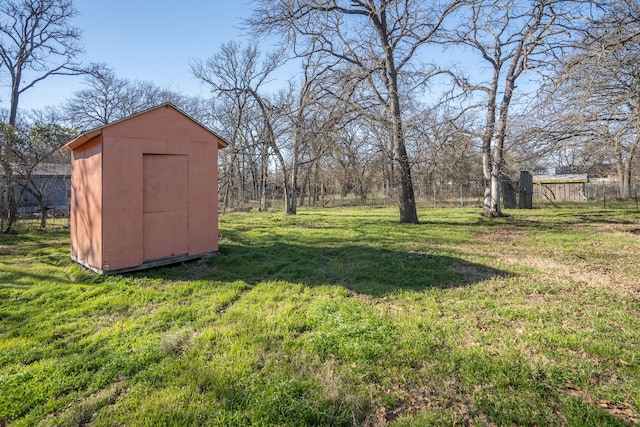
(81, 139)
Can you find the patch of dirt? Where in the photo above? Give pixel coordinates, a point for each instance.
(502, 235)
(474, 274)
(450, 397)
(83, 411)
(621, 411)
(382, 304)
(198, 269)
(584, 273)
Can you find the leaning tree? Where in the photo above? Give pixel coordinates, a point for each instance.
(238, 73)
(373, 44)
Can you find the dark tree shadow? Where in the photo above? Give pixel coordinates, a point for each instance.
(358, 268)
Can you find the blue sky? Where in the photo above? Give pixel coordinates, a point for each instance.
(145, 40)
(154, 40)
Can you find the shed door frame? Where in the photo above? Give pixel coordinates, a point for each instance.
(165, 206)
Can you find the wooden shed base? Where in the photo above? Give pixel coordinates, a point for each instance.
(160, 262)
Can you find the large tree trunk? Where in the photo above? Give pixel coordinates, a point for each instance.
(486, 171)
(291, 208)
(487, 138)
(624, 167)
(624, 178)
(498, 150)
(292, 202)
(11, 209)
(406, 196)
(15, 95)
(289, 192)
(494, 206)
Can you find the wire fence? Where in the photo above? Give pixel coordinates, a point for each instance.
(429, 194)
(30, 224)
(450, 194)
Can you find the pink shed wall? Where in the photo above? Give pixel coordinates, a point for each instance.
(86, 202)
(159, 131)
(110, 227)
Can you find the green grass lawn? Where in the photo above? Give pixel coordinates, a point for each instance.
(337, 317)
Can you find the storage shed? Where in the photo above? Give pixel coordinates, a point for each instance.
(144, 192)
(560, 187)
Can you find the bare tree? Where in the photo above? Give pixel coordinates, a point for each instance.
(37, 41)
(315, 114)
(99, 103)
(108, 98)
(354, 158)
(372, 43)
(245, 162)
(442, 139)
(237, 71)
(510, 38)
(601, 86)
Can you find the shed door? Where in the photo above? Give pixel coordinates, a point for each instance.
(165, 189)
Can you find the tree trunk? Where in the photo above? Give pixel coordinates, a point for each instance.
(10, 184)
(487, 161)
(289, 198)
(43, 216)
(293, 202)
(497, 160)
(491, 207)
(304, 188)
(494, 207)
(406, 196)
(263, 178)
(285, 181)
(11, 209)
(624, 179)
(624, 167)
(225, 199)
(314, 193)
(626, 194)
(15, 95)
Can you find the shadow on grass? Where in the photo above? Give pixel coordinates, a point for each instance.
(25, 279)
(361, 269)
(605, 218)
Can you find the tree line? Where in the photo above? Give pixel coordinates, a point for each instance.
(385, 94)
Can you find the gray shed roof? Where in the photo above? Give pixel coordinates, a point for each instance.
(561, 179)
